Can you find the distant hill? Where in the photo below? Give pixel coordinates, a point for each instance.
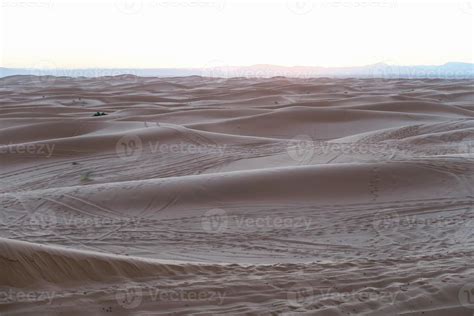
(451, 70)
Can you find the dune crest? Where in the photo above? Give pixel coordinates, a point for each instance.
(236, 196)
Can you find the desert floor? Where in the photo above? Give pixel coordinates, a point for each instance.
(236, 197)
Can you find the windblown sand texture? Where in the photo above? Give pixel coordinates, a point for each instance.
(207, 196)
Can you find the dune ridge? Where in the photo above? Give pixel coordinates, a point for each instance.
(240, 196)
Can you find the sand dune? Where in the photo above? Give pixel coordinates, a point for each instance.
(239, 196)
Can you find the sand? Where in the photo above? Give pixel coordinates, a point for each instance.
(240, 196)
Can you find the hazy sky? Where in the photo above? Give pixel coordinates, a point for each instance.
(186, 33)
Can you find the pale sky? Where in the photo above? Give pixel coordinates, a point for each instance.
(187, 33)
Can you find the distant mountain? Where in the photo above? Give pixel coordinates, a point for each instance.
(451, 70)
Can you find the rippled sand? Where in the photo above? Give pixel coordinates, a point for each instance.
(240, 196)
